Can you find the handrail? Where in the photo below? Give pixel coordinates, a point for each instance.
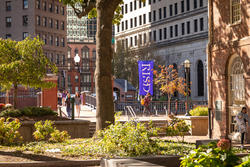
(132, 112)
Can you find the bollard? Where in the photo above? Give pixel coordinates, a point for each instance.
(73, 108)
(209, 123)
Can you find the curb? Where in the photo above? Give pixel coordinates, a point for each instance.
(64, 163)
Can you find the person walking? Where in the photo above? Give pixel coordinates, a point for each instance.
(64, 95)
(147, 100)
(78, 103)
(68, 103)
(241, 121)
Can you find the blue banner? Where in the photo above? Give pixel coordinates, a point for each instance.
(145, 77)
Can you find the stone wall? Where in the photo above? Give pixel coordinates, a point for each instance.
(76, 128)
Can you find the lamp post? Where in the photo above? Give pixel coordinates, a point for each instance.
(76, 60)
(187, 65)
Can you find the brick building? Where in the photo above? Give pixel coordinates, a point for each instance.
(229, 63)
(43, 18)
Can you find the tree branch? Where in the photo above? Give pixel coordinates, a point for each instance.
(86, 7)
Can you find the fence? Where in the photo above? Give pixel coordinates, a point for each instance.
(25, 97)
(156, 107)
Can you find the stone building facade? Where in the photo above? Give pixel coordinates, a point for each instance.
(176, 29)
(229, 64)
(43, 18)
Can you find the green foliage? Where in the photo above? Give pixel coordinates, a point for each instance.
(210, 155)
(8, 131)
(199, 111)
(46, 131)
(245, 162)
(128, 139)
(27, 111)
(177, 127)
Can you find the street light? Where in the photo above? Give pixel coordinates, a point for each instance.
(187, 65)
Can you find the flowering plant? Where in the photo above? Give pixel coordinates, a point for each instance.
(2, 106)
(224, 144)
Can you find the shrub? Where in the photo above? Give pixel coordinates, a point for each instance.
(27, 111)
(128, 139)
(199, 111)
(210, 155)
(8, 131)
(2, 106)
(177, 127)
(45, 131)
(246, 162)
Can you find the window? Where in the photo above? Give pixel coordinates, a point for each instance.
(131, 6)
(188, 27)
(170, 10)
(188, 5)
(118, 28)
(50, 7)
(200, 78)
(131, 23)
(85, 52)
(63, 59)
(122, 26)
(149, 2)
(201, 3)
(57, 24)
(51, 23)
(62, 10)
(126, 24)
(38, 20)
(182, 28)
(57, 58)
(44, 6)
(131, 41)
(182, 6)
(140, 20)
(164, 12)
(160, 34)
(176, 30)
(144, 18)
(150, 36)
(38, 4)
(140, 39)
(8, 21)
(8, 36)
(235, 11)
(8, 6)
(57, 41)
(94, 54)
(160, 14)
(165, 33)
(25, 4)
(149, 17)
(62, 25)
(45, 21)
(171, 31)
(51, 40)
(175, 8)
(135, 4)
(135, 40)
(154, 15)
(25, 20)
(195, 25)
(139, 4)
(62, 42)
(126, 8)
(45, 39)
(201, 24)
(135, 20)
(195, 4)
(153, 1)
(51, 57)
(57, 9)
(76, 80)
(144, 38)
(154, 35)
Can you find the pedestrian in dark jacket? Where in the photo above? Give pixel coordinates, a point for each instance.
(68, 103)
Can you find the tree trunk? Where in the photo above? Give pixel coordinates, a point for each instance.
(7, 100)
(15, 96)
(103, 71)
(169, 100)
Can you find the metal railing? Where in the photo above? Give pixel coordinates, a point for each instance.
(90, 101)
(131, 112)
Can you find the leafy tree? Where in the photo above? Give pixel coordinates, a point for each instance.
(23, 63)
(169, 82)
(106, 13)
(126, 60)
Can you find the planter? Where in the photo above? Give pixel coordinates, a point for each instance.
(76, 128)
(199, 125)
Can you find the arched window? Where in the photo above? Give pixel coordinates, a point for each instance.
(237, 85)
(200, 78)
(85, 52)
